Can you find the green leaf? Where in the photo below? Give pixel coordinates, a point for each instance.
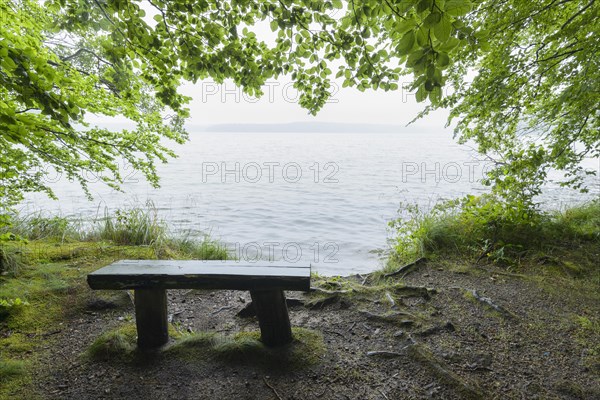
(422, 37)
(404, 26)
(443, 60)
(406, 43)
(457, 8)
(432, 19)
(435, 95)
(450, 44)
(421, 94)
(274, 25)
(424, 5)
(443, 29)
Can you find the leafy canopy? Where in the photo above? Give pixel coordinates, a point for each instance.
(532, 104)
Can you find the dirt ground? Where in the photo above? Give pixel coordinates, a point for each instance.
(516, 337)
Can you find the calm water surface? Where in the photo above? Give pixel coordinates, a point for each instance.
(323, 199)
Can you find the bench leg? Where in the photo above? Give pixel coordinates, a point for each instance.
(273, 318)
(151, 317)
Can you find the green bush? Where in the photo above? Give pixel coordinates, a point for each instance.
(487, 227)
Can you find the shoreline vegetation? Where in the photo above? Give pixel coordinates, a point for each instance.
(504, 263)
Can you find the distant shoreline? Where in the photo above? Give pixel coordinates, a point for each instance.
(306, 127)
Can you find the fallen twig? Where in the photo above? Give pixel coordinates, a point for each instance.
(383, 394)
(352, 326)
(272, 388)
(487, 301)
(365, 279)
(221, 309)
(51, 333)
(335, 332)
(407, 268)
(383, 353)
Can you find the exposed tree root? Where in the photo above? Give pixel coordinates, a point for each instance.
(466, 389)
(397, 318)
(319, 303)
(407, 268)
(488, 302)
(411, 291)
(447, 327)
(325, 291)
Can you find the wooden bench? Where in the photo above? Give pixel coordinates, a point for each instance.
(150, 279)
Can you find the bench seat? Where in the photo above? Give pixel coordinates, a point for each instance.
(197, 274)
(266, 282)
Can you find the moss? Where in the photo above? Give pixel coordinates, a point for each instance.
(305, 350)
(588, 337)
(10, 369)
(119, 343)
(14, 375)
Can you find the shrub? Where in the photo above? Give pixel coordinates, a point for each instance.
(487, 227)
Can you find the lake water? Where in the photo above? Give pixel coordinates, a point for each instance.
(316, 198)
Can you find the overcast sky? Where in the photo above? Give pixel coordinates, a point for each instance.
(216, 104)
(225, 104)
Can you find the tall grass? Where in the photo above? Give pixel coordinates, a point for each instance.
(205, 249)
(37, 226)
(138, 225)
(483, 227)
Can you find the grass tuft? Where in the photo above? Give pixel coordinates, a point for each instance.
(10, 369)
(115, 344)
(38, 226)
(11, 260)
(304, 351)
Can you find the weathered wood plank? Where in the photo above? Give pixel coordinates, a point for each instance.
(151, 317)
(273, 318)
(196, 274)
